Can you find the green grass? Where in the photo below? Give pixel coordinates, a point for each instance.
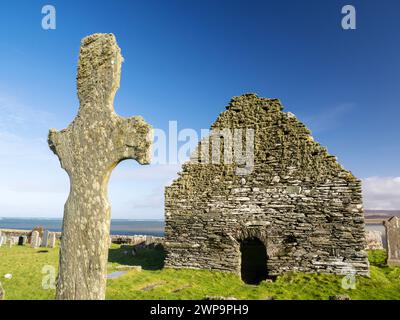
(156, 282)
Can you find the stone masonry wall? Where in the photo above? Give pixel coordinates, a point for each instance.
(298, 200)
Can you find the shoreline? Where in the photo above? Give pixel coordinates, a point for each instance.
(18, 232)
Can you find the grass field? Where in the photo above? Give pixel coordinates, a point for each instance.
(154, 282)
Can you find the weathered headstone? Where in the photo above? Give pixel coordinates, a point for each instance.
(52, 240)
(35, 239)
(45, 239)
(393, 241)
(374, 239)
(3, 240)
(89, 149)
(21, 241)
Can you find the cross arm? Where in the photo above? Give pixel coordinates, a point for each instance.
(53, 140)
(135, 140)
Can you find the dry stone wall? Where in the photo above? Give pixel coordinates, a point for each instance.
(298, 200)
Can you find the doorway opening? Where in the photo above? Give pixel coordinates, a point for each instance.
(253, 261)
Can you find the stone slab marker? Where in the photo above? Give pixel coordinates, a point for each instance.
(392, 227)
(89, 149)
(35, 239)
(45, 239)
(3, 240)
(374, 240)
(21, 241)
(52, 240)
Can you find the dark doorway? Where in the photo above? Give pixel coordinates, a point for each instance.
(254, 261)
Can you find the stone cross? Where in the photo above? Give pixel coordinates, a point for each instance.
(89, 149)
(392, 227)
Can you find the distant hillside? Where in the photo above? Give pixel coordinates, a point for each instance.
(376, 214)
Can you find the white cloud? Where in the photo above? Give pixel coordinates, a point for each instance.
(128, 170)
(137, 191)
(381, 193)
(20, 118)
(328, 119)
(32, 183)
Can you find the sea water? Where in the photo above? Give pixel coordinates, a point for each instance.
(118, 226)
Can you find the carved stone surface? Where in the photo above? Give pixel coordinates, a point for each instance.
(298, 200)
(393, 241)
(89, 149)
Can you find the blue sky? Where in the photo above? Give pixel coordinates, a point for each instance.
(184, 60)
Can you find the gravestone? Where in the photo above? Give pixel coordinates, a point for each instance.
(52, 240)
(3, 240)
(35, 239)
(393, 241)
(89, 149)
(21, 241)
(45, 239)
(374, 240)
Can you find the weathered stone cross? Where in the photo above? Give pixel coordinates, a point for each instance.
(89, 149)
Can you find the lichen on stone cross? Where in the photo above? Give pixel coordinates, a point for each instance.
(92, 145)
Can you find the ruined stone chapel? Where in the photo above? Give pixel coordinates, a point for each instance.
(297, 209)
